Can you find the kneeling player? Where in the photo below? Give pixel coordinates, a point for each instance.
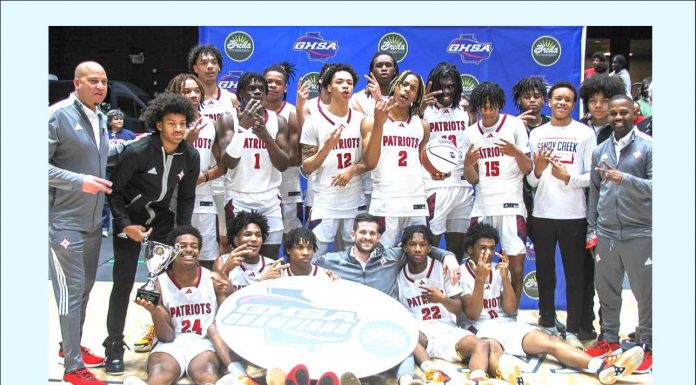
(490, 302)
(183, 318)
(299, 247)
(434, 301)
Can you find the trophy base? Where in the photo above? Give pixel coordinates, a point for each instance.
(148, 295)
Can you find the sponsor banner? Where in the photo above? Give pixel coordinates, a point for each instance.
(319, 323)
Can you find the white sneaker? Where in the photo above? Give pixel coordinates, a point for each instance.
(573, 340)
(133, 380)
(616, 367)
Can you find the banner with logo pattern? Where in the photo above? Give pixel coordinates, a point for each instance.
(499, 54)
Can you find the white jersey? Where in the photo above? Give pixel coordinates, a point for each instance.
(192, 309)
(335, 201)
(499, 187)
(397, 181)
(448, 123)
(254, 174)
(365, 101)
(492, 293)
(214, 106)
(412, 297)
(290, 191)
(204, 144)
(247, 274)
(316, 272)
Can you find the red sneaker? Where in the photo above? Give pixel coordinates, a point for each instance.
(602, 348)
(90, 359)
(646, 365)
(328, 378)
(299, 375)
(81, 377)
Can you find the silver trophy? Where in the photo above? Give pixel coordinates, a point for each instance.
(157, 257)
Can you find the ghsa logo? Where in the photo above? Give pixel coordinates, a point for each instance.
(316, 47)
(312, 80)
(239, 46)
(229, 81)
(469, 82)
(469, 49)
(546, 51)
(394, 44)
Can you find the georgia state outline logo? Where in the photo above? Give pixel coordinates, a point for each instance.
(469, 49)
(229, 81)
(316, 48)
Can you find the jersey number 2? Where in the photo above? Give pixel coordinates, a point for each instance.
(187, 328)
(402, 158)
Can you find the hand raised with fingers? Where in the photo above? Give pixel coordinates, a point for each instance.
(236, 258)
(192, 132)
(472, 156)
(559, 171)
(274, 270)
(504, 264)
(303, 90)
(430, 97)
(609, 173)
(542, 158)
(434, 294)
(382, 108)
(222, 285)
(250, 114)
(483, 267)
(508, 148)
(373, 87)
(527, 116)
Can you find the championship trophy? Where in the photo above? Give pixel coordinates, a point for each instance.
(157, 257)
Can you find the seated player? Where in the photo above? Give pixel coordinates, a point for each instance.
(299, 247)
(434, 302)
(490, 303)
(185, 345)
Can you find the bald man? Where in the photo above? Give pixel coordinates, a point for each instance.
(78, 147)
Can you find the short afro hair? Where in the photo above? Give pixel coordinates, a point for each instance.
(168, 103)
(182, 230)
(241, 220)
(201, 49)
(604, 84)
(477, 231)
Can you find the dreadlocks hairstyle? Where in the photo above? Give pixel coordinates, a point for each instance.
(564, 84)
(199, 50)
(411, 231)
(176, 85)
(244, 82)
(527, 84)
(297, 236)
(604, 84)
(285, 68)
(241, 220)
(446, 70)
(398, 80)
(168, 103)
(480, 230)
(372, 66)
(331, 71)
(487, 92)
(182, 230)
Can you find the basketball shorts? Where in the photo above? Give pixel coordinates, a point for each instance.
(326, 229)
(207, 225)
(219, 200)
(292, 216)
(508, 334)
(442, 339)
(392, 228)
(449, 209)
(184, 349)
(512, 230)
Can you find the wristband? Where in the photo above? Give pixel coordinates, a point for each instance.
(234, 149)
(206, 175)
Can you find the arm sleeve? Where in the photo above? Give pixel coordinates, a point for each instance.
(595, 182)
(186, 197)
(58, 177)
(582, 180)
(121, 176)
(640, 187)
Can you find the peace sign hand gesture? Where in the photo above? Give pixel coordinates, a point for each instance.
(609, 173)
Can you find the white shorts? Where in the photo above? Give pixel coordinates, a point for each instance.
(292, 216)
(392, 227)
(184, 349)
(508, 334)
(207, 225)
(442, 339)
(326, 229)
(512, 230)
(450, 209)
(273, 214)
(219, 200)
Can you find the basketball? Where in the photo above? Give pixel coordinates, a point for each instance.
(439, 156)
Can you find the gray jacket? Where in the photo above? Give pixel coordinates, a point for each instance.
(382, 268)
(73, 153)
(622, 211)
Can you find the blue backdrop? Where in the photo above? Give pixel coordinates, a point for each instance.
(499, 54)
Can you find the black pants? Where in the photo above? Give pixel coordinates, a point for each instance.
(126, 253)
(578, 268)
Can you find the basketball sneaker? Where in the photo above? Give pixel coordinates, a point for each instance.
(275, 376)
(299, 375)
(81, 377)
(573, 340)
(436, 376)
(602, 348)
(349, 378)
(615, 367)
(328, 378)
(113, 350)
(145, 343)
(646, 365)
(90, 359)
(509, 370)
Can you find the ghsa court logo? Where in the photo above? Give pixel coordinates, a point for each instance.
(316, 48)
(229, 81)
(546, 51)
(469, 49)
(239, 46)
(394, 44)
